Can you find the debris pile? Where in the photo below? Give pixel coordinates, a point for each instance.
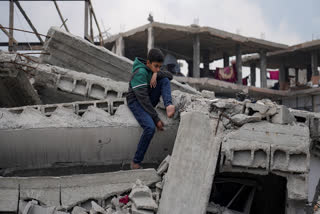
(73, 111)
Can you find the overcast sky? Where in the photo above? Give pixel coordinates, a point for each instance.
(283, 21)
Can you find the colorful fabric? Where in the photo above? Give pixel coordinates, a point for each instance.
(228, 74)
(274, 75)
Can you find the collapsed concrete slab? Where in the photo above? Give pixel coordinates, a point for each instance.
(73, 52)
(77, 189)
(93, 136)
(194, 159)
(68, 191)
(57, 85)
(16, 90)
(9, 195)
(248, 148)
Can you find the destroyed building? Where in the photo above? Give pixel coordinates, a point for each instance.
(67, 135)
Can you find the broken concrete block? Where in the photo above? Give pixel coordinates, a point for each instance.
(80, 188)
(283, 116)
(141, 196)
(135, 210)
(194, 159)
(290, 159)
(297, 187)
(43, 189)
(240, 119)
(258, 107)
(17, 90)
(243, 156)
(9, 194)
(69, 51)
(79, 210)
(208, 94)
(164, 165)
(96, 207)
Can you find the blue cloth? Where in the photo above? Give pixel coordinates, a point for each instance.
(144, 119)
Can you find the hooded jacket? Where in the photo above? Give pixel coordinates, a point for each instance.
(139, 86)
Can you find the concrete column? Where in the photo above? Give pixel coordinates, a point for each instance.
(263, 69)
(283, 78)
(11, 25)
(120, 46)
(239, 64)
(190, 68)
(196, 56)
(314, 68)
(297, 75)
(86, 10)
(206, 62)
(309, 73)
(226, 60)
(150, 38)
(314, 64)
(253, 74)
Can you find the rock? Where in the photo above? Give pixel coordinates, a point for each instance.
(259, 107)
(283, 116)
(208, 94)
(163, 167)
(141, 196)
(79, 210)
(139, 211)
(96, 207)
(240, 119)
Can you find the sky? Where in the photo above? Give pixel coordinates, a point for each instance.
(283, 21)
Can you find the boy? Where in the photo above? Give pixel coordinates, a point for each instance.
(146, 86)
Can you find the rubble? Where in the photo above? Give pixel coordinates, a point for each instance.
(163, 167)
(84, 120)
(141, 196)
(16, 89)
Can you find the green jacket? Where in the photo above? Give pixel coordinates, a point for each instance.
(139, 86)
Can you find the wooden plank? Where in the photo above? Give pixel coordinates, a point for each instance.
(29, 21)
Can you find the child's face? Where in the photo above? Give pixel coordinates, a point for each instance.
(154, 66)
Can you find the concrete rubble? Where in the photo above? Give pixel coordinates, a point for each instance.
(84, 121)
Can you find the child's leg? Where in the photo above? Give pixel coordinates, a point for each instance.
(146, 122)
(163, 89)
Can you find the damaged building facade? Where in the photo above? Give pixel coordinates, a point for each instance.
(67, 135)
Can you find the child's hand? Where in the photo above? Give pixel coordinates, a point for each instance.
(153, 81)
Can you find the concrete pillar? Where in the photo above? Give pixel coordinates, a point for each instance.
(120, 46)
(309, 73)
(150, 38)
(314, 68)
(297, 75)
(239, 64)
(253, 74)
(190, 68)
(196, 56)
(11, 25)
(284, 78)
(226, 60)
(263, 69)
(206, 62)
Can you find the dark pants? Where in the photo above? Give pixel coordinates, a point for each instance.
(144, 119)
